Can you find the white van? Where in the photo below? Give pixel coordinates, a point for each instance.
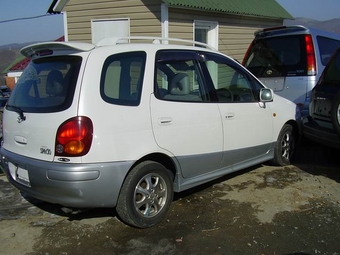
(290, 60)
(126, 125)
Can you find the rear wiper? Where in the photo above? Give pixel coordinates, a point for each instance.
(19, 111)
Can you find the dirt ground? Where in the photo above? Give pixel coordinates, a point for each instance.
(263, 210)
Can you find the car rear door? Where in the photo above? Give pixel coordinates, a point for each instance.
(184, 121)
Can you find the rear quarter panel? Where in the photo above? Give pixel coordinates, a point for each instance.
(121, 133)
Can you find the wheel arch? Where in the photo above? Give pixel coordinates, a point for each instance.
(160, 158)
(296, 130)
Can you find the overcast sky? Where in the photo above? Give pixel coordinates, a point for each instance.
(50, 27)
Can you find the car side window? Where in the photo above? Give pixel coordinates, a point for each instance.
(177, 77)
(230, 84)
(122, 77)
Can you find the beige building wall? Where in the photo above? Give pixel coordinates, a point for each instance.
(235, 31)
(144, 16)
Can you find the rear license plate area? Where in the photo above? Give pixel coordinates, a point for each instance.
(322, 108)
(19, 174)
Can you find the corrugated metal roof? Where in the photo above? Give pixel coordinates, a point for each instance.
(259, 8)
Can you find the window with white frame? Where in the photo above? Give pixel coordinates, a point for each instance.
(206, 32)
(103, 28)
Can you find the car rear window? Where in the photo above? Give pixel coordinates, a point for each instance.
(277, 57)
(46, 85)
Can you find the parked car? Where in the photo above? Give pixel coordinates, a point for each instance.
(290, 60)
(5, 92)
(323, 123)
(126, 125)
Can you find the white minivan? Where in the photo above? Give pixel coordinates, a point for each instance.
(290, 60)
(126, 125)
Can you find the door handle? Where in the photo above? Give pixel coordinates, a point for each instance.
(20, 139)
(165, 121)
(229, 115)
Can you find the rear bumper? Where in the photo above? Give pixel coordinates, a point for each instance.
(312, 131)
(71, 185)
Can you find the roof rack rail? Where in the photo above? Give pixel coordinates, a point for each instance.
(155, 40)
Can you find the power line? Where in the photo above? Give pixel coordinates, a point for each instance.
(18, 19)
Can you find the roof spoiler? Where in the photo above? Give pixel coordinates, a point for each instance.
(40, 48)
(279, 30)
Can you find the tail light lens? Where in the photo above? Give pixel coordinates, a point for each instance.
(311, 65)
(74, 137)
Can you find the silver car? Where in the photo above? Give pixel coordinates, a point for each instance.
(290, 60)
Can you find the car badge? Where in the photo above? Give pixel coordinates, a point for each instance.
(269, 72)
(20, 119)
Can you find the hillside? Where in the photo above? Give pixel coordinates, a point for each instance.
(8, 54)
(332, 25)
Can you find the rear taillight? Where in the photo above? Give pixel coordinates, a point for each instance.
(74, 137)
(311, 65)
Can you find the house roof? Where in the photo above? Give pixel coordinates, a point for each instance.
(258, 8)
(18, 64)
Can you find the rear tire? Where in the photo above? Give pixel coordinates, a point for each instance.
(285, 146)
(335, 114)
(146, 195)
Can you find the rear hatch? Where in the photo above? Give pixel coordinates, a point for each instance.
(327, 88)
(279, 58)
(43, 98)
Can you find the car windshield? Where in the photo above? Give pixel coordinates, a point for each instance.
(46, 85)
(277, 57)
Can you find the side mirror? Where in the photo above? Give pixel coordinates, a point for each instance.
(266, 95)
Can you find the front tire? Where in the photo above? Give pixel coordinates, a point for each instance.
(285, 146)
(146, 195)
